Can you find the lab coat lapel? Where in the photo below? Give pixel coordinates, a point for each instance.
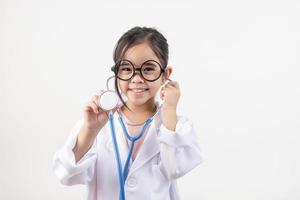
(149, 148)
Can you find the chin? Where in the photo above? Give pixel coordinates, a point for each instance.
(138, 101)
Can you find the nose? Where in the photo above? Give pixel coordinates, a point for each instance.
(137, 78)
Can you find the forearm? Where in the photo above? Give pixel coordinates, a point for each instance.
(85, 140)
(170, 119)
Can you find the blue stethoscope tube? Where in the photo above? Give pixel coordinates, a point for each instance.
(123, 174)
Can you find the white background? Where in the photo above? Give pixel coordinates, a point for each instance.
(237, 63)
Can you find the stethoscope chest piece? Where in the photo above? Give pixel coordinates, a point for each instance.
(108, 100)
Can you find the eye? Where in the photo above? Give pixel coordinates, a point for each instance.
(125, 68)
(149, 68)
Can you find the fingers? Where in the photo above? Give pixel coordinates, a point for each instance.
(96, 97)
(173, 83)
(162, 94)
(99, 93)
(93, 104)
(170, 85)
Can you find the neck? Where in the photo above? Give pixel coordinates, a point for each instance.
(139, 113)
(145, 108)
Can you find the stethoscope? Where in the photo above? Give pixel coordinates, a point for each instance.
(108, 101)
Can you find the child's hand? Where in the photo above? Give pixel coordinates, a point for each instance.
(170, 94)
(94, 117)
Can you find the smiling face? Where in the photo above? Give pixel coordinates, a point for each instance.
(137, 90)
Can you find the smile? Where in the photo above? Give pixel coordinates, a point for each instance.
(138, 90)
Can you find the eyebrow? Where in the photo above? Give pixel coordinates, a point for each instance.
(142, 62)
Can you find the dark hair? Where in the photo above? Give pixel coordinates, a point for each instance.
(137, 35)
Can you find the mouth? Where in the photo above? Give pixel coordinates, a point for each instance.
(138, 90)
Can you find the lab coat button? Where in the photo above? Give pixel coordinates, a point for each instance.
(177, 172)
(132, 182)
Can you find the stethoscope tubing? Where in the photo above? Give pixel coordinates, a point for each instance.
(124, 173)
(117, 156)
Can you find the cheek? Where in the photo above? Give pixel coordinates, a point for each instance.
(123, 85)
(155, 86)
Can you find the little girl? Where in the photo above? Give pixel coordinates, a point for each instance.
(168, 148)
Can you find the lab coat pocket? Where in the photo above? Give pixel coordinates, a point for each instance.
(160, 184)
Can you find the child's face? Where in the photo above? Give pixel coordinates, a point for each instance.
(137, 90)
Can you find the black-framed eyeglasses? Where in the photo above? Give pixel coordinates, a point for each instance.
(150, 70)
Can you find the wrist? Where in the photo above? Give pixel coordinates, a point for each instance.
(169, 118)
(169, 108)
(91, 131)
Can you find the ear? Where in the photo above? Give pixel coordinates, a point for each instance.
(168, 72)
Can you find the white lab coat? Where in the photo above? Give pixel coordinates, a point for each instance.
(164, 156)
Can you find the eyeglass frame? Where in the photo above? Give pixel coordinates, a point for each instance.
(114, 69)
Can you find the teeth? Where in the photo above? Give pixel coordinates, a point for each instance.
(138, 90)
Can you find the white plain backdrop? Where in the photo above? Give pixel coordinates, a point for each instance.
(237, 63)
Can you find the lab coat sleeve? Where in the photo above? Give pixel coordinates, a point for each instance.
(64, 166)
(179, 149)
